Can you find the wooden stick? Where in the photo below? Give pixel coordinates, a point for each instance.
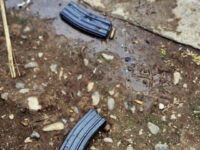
(8, 41)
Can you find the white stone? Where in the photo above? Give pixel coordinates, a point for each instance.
(11, 116)
(111, 92)
(19, 85)
(90, 86)
(154, 129)
(177, 77)
(23, 91)
(27, 29)
(113, 117)
(4, 96)
(141, 132)
(54, 127)
(161, 106)
(108, 140)
(40, 54)
(173, 117)
(107, 56)
(185, 85)
(111, 103)
(53, 68)
(86, 62)
(161, 146)
(95, 98)
(129, 147)
(31, 65)
(79, 77)
(34, 104)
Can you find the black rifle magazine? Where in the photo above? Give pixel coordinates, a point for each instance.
(79, 136)
(85, 21)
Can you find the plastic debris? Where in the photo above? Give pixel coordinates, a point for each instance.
(83, 131)
(85, 21)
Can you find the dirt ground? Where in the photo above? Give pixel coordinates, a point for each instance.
(144, 67)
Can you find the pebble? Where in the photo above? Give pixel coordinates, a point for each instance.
(127, 59)
(53, 68)
(107, 57)
(141, 132)
(80, 77)
(154, 129)
(40, 54)
(108, 140)
(132, 109)
(161, 106)
(54, 127)
(11, 116)
(28, 140)
(111, 92)
(35, 135)
(111, 103)
(185, 85)
(31, 65)
(34, 104)
(177, 77)
(95, 98)
(75, 109)
(79, 93)
(161, 146)
(4, 96)
(86, 62)
(23, 91)
(113, 117)
(90, 86)
(107, 127)
(173, 117)
(19, 85)
(27, 29)
(129, 147)
(192, 148)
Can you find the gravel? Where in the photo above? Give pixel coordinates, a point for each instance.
(53, 68)
(35, 135)
(23, 91)
(32, 64)
(34, 104)
(161, 106)
(177, 77)
(107, 57)
(90, 86)
(161, 146)
(54, 127)
(19, 85)
(111, 103)
(154, 129)
(108, 140)
(4, 96)
(95, 98)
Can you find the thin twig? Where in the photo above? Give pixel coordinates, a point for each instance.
(8, 41)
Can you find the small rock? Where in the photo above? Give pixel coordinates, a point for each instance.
(23, 91)
(132, 109)
(173, 117)
(28, 140)
(141, 132)
(129, 147)
(164, 118)
(35, 135)
(127, 59)
(111, 103)
(108, 140)
(54, 127)
(90, 86)
(192, 148)
(161, 106)
(154, 129)
(161, 146)
(27, 29)
(64, 120)
(107, 57)
(185, 85)
(113, 117)
(31, 65)
(79, 93)
(92, 148)
(19, 85)
(75, 109)
(107, 127)
(40, 54)
(11, 116)
(95, 98)
(177, 77)
(4, 96)
(111, 92)
(86, 62)
(34, 104)
(53, 68)
(79, 77)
